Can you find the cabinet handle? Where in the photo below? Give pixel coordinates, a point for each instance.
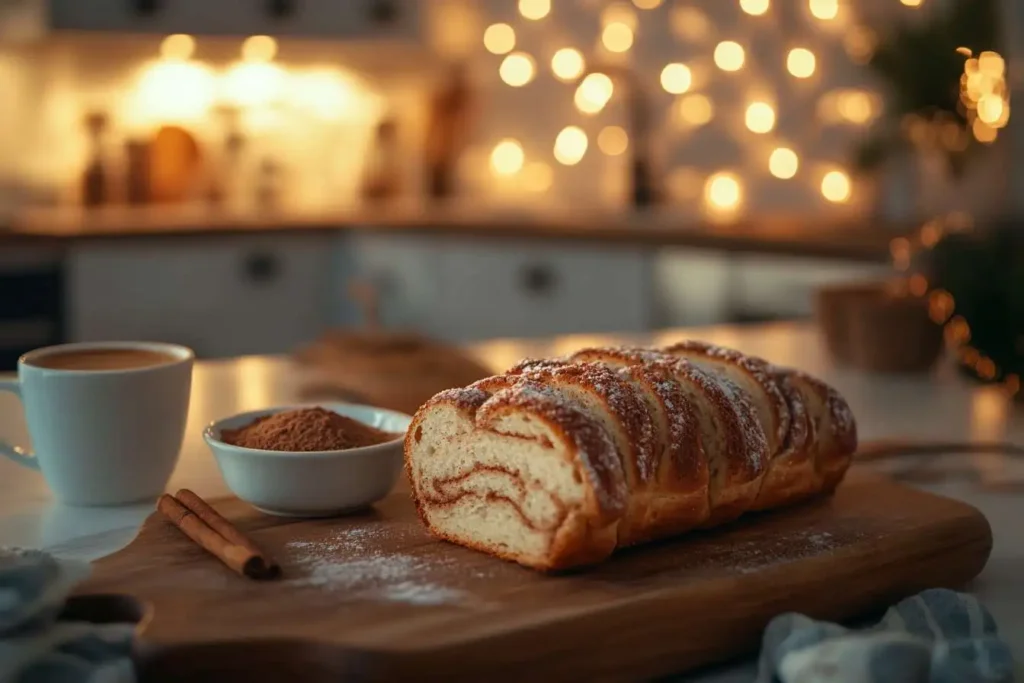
(261, 268)
(146, 8)
(538, 279)
(382, 12)
(282, 9)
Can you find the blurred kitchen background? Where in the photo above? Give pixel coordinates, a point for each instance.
(242, 176)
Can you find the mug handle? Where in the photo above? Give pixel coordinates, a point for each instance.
(16, 453)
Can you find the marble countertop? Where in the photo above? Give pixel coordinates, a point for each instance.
(848, 239)
(943, 407)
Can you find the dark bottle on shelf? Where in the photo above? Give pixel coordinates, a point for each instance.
(95, 191)
(447, 130)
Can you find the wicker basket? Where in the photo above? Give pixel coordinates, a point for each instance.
(875, 328)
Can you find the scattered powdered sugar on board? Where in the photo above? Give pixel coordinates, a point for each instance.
(348, 562)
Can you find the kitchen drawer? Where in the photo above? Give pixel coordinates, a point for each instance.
(370, 19)
(222, 297)
(500, 289)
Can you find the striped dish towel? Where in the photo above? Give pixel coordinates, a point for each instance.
(938, 636)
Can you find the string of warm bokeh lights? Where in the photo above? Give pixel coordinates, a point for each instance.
(941, 304)
(723, 189)
(985, 96)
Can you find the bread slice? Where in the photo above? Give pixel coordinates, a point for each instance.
(834, 428)
(676, 496)
(615, 402)
(521, 474)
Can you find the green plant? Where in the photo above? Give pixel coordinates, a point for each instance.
(984, 274)
(920, 65)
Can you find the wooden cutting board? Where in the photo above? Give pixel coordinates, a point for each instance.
(372, 598)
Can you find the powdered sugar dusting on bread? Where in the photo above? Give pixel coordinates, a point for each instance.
(758, 368)
(683, 451)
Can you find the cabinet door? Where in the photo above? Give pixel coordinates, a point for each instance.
(403, 269)
(503, 289)
(222, 297)
(138, 16)
(371, 19)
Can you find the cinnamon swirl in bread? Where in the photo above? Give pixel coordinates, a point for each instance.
(558, 462)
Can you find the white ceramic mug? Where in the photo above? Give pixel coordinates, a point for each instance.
(103, 437)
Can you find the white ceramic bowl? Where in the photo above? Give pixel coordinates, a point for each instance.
(316, 483)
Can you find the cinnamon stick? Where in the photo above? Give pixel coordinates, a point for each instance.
(224, 541)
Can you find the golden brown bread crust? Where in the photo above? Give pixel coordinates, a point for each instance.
(685, 447)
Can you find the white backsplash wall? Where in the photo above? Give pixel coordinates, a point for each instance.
(322, 143)
(47, 88)
(685, 31)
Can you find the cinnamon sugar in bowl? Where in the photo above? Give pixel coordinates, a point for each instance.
(310, 460)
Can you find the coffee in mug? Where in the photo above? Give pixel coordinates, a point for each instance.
(106, 419)
(102, 359)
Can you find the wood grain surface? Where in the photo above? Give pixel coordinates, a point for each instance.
(371, 597)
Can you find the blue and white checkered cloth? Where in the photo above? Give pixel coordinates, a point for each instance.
(938, 636)
(36, 645)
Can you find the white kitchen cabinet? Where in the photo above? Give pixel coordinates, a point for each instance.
(352, 19)
(464, 289)
(498, 288)
(697, 287)
(223, 296)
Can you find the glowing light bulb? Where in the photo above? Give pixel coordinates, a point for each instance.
(722, 191)
(835, 187)
(647, 4)
(259, 49)
(534, 9)
(178, 46)
(783, 163)
(619, 13)
(612, 140)
(676, 78)
(567, 64)
(570, 145)
(760, 117)
(507, 157)
(826, 10)
(499, 39)
(983, 132)
(992, 64)
(801, 62)
(729, 56)
(593, 93)
(754, 7)
(695, 109)
(855, 106)
(990, 109)
(912, 3)
(617, 37)
(517, 69)
(537, 177)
